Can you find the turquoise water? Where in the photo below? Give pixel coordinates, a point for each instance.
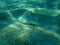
(29, 22)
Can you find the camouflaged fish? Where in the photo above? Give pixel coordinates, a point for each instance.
(29, 22)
